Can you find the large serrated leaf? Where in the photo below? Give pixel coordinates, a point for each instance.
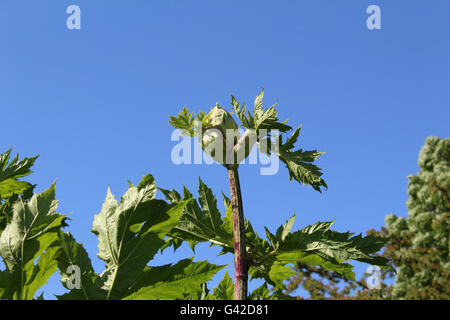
(315, 245)
(300, 163)
(31, 235)
(73, 255)
(173, 281)
(203, 223)
(131, 232)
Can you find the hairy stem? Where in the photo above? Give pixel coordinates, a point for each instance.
(240, 254)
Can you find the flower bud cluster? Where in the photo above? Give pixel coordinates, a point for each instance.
(222, 140)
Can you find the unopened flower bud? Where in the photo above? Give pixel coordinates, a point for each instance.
(221, 138)
(220, 119)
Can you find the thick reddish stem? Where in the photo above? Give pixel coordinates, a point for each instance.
(240, 254)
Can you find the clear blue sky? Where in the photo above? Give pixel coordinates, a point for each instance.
(94, 103)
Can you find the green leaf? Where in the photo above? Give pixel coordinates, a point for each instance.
(173, 281)
(284, 230)
(318, 228)
(11, 186)
(73, 254)
(316, 259)
(319, 239)
(267, 118)
(263, 293)
(273, 241)
(278, 273)
(44, 269)
(299, 163)
(208, 203)
(202, 223)
(10, 172)
(148, 182)
(224, 290)
(258, 105)
(30, 235)
(228, 219)
(313, 245)
(131, 232)
(247, 122)
(199, 295)
(292, 140)
(184, 121)
(16, 168)
(171, 196)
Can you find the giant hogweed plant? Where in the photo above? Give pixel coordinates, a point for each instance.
(269, 259)
(131, 230)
